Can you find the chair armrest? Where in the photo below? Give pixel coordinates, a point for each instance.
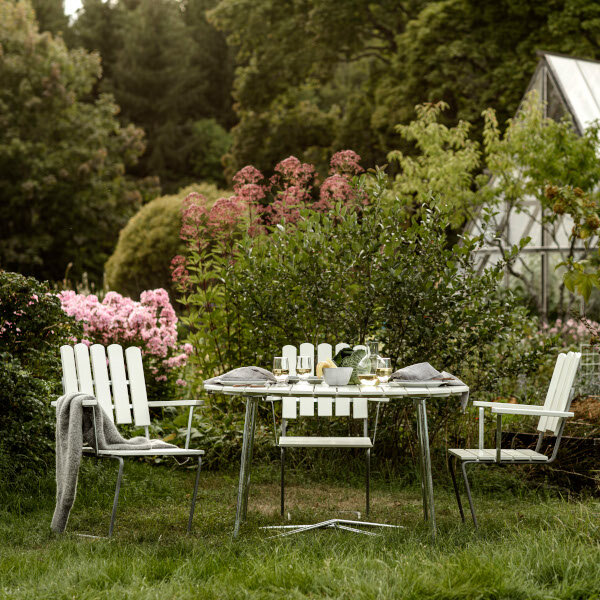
(481, 404)
(159, 403)
(91, 402)
(535, 411)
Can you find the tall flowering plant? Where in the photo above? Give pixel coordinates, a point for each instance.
(150, 324)
(211, 234)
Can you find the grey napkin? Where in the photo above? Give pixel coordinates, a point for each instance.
(257, 374)
(419, 372)
(425, 372)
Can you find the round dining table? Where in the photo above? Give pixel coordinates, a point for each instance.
(253, 393)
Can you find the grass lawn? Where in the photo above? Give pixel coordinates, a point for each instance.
(532, 544)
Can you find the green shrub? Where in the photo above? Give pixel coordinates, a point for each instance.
(33, 326)
(149, 241)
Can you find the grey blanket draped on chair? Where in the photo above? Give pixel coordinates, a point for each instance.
(74, 430)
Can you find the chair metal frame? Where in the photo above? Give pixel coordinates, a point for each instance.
(117, 396)
(553, 416)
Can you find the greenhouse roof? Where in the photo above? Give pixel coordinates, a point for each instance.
(571, 82)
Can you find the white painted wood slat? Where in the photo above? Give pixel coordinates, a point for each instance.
(289, 407)
(324, 352)
(290, 353)
(119, 383)
(101, 380)
(552, 388)
(84, 369)
(137, 386)
(69, 371)
(340, 346)
(307, 406)
(307, 349)
(360, 408)
(325, 407)
(342, 407)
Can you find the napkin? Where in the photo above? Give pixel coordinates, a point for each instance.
(425, 372)
(257, 374)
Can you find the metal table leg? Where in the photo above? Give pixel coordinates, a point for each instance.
(424, 443)
(243, 468)
(417, 406)
(253, 410)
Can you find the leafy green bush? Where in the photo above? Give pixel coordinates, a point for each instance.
(148, 243)
(32, 328)
(352, 275)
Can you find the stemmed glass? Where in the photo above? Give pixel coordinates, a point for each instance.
(383, 369)
(304, 366)
(281, 368)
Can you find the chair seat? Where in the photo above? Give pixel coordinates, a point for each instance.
(290, 441)
(154, 452)
(489, 455)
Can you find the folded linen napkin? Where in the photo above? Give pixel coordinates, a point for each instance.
(257, 374)
(425, 372)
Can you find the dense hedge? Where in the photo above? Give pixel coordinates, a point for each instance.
(33, 326)
(149, 241)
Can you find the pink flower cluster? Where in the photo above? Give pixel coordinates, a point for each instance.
(572, 331)
(258, 201)
(150, 323)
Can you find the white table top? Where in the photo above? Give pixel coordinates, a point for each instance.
(379, 393)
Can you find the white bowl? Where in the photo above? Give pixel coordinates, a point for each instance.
(339, 376)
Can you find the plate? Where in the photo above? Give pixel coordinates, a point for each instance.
(246, 382)
(314, 379)
(434, 383)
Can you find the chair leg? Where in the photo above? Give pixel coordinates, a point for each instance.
(456, 491)
(368, 480)
(194, 495)
(117, 491)
(464, 470)
(282, 481)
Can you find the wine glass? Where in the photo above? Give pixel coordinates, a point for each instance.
(281, 368)
(384, 369)
(304, 366)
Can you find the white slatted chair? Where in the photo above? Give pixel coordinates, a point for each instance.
(117, 395)
(293, 407)
(552, 417)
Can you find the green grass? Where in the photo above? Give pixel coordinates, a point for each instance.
(532, 544)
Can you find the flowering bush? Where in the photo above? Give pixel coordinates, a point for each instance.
(32, 329)
(258, 202)
(572, 331)
(150, 324)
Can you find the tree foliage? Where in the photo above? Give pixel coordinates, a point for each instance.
(349, 72)
(170, 72)
(64, 193)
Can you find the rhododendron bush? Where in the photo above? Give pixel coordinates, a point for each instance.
(150, 324)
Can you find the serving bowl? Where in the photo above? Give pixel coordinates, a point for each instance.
(339, 376)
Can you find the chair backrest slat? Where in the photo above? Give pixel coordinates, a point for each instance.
(553, 387)
(289, 407)
(84, 369)
(101, 380)
(69, 371)
(325, 406)
(309, 350)
(137, 386)
(119, 383)
(324, 352)
(290, 353)
(341, 346)
(559, 391)
(561, 401)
